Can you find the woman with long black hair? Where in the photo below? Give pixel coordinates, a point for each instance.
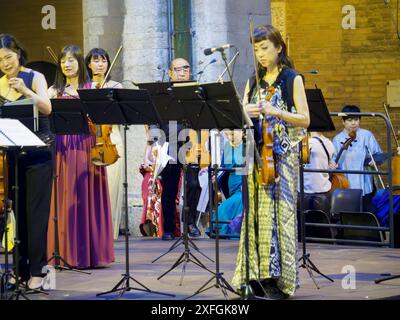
(272, 208)
(83, 202)
(34, 166)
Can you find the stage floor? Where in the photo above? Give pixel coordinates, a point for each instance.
(334, 261)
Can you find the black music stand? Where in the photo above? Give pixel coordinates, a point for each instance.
(321, 121)
(162, 97)
(207, 106)
(12, 145)
(23, 113)
(123, 107)
(67, 118)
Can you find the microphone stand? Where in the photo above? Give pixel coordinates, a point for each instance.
(219, 79)
(205, 67)
(248, 136)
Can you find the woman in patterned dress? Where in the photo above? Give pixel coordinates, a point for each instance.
(272, 238)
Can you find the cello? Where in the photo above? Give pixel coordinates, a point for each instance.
(339, 180)
(395, 158)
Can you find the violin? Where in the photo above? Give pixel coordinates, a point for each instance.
(104, 153)
(266, 168)
(339, 180)
(268, 174)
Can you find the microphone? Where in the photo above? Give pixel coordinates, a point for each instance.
(209, 51)
(200, 73)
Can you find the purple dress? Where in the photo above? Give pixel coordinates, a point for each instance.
(83, 203)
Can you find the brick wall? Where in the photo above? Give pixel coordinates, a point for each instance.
(353, 65)
(23, 19)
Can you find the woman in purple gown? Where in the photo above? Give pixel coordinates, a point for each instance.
(83, 203)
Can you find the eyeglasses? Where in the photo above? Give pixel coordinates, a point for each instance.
(183, 68)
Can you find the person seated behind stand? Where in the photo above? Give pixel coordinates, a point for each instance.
(170, 177)
(232, 207)
(357, 157)
(321, 157)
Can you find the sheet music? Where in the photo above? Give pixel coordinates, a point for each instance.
(14, 133)
(162, 159)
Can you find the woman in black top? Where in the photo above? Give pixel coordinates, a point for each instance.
(35, 167)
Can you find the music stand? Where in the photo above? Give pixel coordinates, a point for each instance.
(162, 97)
(17, 138)
(321, 121)
(125, 107)
(67, 118)
(24, 113)
(27, 113)
(208, 106)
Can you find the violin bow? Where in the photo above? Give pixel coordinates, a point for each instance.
(254, 58)
(391, 125)
(111, 67)
(52, 54)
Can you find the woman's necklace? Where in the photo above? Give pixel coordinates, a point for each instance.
(270, 79)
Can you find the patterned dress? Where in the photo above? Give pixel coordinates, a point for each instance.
(272, 209)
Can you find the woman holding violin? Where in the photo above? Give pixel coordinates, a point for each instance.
(34, 167)
(84, 212)
(272, 206)
(98, 65)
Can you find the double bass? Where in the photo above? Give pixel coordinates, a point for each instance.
(396, 157)
(339, 180)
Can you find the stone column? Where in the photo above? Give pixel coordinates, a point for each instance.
(226, 21)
